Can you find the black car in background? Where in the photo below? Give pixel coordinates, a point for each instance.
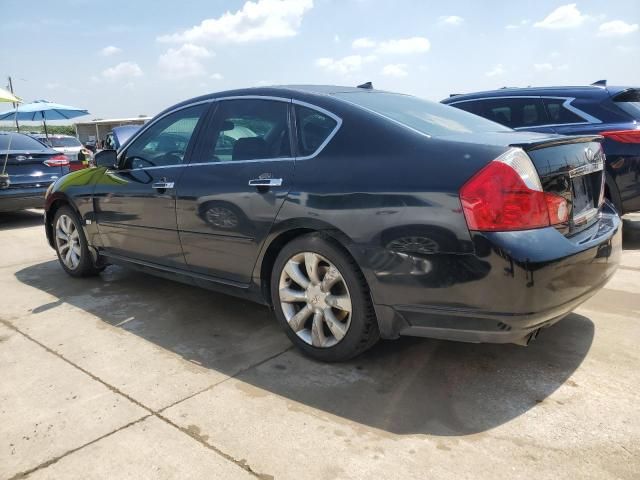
(29, 167)
(613, 112)
(355, 213)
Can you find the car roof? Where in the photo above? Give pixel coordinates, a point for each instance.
(583, 91)
(292, 91)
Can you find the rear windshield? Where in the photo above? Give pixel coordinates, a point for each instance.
(64, 142)
(427, 117)
(19, 142)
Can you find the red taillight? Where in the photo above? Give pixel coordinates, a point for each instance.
(57, 161)
(623, 136)
(507, 195)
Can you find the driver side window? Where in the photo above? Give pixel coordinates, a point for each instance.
(166, 141)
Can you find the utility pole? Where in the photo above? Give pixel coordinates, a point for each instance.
(15, 105)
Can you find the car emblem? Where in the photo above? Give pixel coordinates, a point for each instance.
(21, 158)
(589, 154)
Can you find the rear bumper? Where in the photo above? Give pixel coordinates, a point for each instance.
(12, 200)
(515, 284)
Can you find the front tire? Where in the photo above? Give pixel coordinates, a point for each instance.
(322, 301)
(71, 244)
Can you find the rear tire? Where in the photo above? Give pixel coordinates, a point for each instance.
(71, 244)
(322, 301)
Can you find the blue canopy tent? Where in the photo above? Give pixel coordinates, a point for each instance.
(43, 110)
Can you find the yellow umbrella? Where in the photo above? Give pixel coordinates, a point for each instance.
(7, 96)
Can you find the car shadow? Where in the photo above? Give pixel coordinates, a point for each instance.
(20, 219)
(406, 386)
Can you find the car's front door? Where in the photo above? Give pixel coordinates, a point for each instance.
(135, 203)
(230, 194)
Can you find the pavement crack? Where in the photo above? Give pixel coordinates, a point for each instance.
(230, 377)
(195, 434)
(86, 372)
(73, 450)
(240, 463)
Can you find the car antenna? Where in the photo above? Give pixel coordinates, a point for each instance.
(367, 86)
(600, 83)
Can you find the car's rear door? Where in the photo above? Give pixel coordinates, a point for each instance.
(135, 203)
(230, 194)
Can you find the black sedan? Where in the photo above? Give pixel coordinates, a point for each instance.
(355, 213)
(27, 168)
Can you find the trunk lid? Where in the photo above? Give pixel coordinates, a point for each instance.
(571, 166)
(28, 170)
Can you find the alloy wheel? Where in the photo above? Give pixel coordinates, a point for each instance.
(315, 299)
(68, 242)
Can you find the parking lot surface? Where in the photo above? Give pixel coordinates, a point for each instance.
(130, 376)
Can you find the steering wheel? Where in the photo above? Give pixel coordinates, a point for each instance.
(179, 154)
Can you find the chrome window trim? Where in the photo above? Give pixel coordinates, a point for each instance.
(326, 141)
(588, 119)
(255, 97)
(244, 97)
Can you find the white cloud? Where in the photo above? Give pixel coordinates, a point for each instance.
(395, 70)
(616, 28)
(363, 42)
(451, 20)
(495, 71)
(184, 62)
(51, 86)
(216, 76)
(542, 67)
(122, 71)
(403, 46)
(336, 38)
(515, 26)
(566, 16)
(562, 68)
(110, 50)
(345, 65)
(260, 20)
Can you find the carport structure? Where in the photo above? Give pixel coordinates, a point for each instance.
(97, 129)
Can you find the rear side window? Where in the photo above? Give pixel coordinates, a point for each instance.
(427, 117)
(629, 101)
(313, 129)
(511, 112)
(559, 114)
(20, 142)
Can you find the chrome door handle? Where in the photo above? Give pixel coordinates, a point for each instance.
(265, 182)
(162, 185)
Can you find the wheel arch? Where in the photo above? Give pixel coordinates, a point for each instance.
(54, 203)
(287, 232)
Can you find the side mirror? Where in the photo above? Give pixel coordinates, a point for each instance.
(106, 158)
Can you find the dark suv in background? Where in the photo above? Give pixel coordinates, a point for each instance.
(613, 112)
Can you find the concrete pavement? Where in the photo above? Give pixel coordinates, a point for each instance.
(131, 376)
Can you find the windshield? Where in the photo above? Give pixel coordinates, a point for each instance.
(58, 142)
(427, 117)
(20, 142)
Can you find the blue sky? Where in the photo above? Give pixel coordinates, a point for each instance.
(124, 58)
